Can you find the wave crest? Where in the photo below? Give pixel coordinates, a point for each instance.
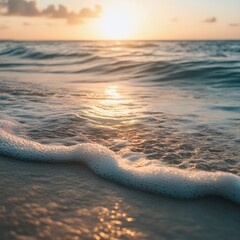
(162, 180)
(29, 53)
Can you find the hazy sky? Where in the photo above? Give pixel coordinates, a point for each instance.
(126, 19)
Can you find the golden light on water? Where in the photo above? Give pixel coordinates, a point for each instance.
(113, 105)
(113, 99)
(113, 223)
(112, 92)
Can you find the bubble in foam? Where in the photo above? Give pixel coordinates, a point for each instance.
(162, 180)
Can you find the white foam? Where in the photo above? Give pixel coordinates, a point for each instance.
(105, 163)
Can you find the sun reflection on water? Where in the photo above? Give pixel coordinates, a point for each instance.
(112, 92)
(114, 104)
(114, 224)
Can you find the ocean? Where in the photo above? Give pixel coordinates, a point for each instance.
(120, 140)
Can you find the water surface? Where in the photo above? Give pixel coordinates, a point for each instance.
(154, 103)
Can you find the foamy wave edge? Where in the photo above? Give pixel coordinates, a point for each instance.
(168, 181)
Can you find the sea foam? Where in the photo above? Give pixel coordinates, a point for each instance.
(162, 180)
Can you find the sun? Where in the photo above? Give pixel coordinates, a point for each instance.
(117, 23)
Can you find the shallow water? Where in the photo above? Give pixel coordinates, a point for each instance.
(153, 103)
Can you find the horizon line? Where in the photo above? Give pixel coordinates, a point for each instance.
(112, 40)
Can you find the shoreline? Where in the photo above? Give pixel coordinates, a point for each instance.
(62, 200)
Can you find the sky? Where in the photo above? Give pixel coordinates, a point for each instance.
(119, 19)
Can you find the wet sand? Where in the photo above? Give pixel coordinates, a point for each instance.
(67, 201)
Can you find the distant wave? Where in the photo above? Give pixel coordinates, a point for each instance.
(105, 163)
(31, 54)
(214, 64)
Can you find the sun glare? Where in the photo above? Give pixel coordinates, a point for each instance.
(112, 92)
(118, 23)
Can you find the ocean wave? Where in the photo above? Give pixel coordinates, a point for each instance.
(25, 52)
(158, 179)
(152, 63)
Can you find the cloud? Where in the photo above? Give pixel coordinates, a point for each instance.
(72, 17)
(174, 20)
(20, 8)
(210, 20)
(234, 25)
(29, 8)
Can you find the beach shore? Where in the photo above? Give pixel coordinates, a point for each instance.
(67, 201)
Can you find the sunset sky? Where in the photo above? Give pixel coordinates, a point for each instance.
(119, 19)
